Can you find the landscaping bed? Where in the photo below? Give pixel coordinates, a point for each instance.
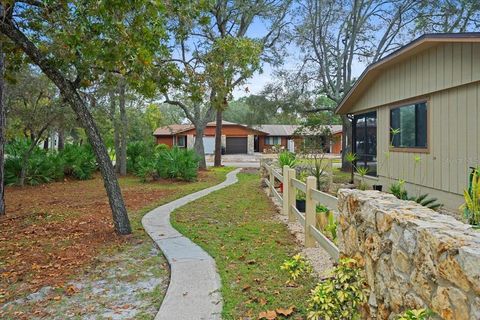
(238, 226)
(58, 240)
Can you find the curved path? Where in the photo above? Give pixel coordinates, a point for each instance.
(194, 289)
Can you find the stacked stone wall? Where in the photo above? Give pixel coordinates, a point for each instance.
(414, 257)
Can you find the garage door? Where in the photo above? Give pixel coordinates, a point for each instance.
(236, 145)
(209, 145)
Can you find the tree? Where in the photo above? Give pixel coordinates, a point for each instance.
(2, 130)
(332, 35)
(217, 54)
(33, 107)
(76, 42)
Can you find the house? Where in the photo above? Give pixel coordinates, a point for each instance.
(241, 139)
(416, 116)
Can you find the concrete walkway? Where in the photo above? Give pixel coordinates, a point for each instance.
(194, 289)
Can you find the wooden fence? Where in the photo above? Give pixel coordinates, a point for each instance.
(312, 197)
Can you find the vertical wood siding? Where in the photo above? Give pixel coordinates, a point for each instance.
(448, 75)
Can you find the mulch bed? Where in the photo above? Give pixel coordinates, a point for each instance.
(52, 230)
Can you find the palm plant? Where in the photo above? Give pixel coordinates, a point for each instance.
(471, 207)
(287, 158)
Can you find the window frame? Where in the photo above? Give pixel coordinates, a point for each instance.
(273, 139)
(409, 149)
(183, 139)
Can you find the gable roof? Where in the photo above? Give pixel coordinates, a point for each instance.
(179, 128)
(373, 70)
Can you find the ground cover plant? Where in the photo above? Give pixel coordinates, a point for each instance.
(55, 231)
(238, 227)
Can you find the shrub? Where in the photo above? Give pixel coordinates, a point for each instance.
(178, 163)
(287, 158)
(138, 152)
(297, 266)
(42, 166)
(79, 161)
(398, 190)
(471, 207)
(340, 296)
(416, 314)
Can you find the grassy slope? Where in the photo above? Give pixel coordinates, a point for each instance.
(237, 227)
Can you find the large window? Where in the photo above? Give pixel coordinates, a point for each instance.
(272, 140)
(409, 126)
(182, 141)
(365, 141)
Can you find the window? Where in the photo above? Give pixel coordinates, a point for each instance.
(273, 141)
(409, 126)
(365, 141)
(181, 141)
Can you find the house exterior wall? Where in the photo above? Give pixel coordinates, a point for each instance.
(263, 146)
(168, 140)
(447, 76)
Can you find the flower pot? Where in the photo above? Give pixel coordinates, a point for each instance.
(377, 187)
(300, 204)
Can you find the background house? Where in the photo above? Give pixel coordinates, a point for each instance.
(416, 116)
(241, 139)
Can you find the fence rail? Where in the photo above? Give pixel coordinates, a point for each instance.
(290, 185)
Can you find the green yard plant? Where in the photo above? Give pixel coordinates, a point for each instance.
(471, 207)
(178, 163)
(287, 158)
(297, 267)
(340, 296)
(416, 314)
(362, 171)
(398, 190)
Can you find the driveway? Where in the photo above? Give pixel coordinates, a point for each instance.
(237, 160)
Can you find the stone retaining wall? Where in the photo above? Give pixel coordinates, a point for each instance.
(413, 256)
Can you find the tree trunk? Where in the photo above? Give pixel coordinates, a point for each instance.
(71, 95)
(25, 158)
(218, 140)
(123, 135)
(198, 146)
(45, 143)
(116, 136)
(61, 138)
(2, 132)
(346, 142)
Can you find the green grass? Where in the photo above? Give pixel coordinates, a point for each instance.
(340, 176)
(237, 226)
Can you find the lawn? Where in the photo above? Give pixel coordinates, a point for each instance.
(55, 232)
(239, 228)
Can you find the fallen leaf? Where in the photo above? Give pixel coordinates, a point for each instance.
(269, 315)
(285, 312)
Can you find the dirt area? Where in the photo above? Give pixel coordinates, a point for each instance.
(61, 232)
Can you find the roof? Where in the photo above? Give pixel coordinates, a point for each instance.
(373, 70)
(270, 129)
(289, 129)
(178, 128)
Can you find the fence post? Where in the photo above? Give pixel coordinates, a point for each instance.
(330, 166)
(286, 187)
(310, 212)
(272, 180)
(292, 194)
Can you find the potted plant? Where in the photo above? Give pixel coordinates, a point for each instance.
(300, 202)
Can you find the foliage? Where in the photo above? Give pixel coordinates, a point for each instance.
(399, 191)
(416, 314)
(297, 266)
(178, 163)
(331, 227)
(362, 171)
(79, 161)
(339, 297)
(471, 207)
(287, 158)
(138, 154)
(45, 166)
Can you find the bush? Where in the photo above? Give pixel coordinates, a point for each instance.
(398, 190)
(138, 152)
(471, 207)
(42, 166)
(340, 296)
(286, 158)
(79, 160)
(178, 163)
(416, 314)
(297, 266)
